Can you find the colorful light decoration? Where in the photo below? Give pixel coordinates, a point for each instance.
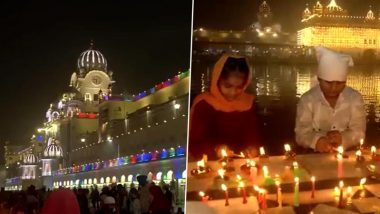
(132, 159)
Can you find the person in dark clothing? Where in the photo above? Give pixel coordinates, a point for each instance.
(224, 117)
(95, 197)
(160, 204)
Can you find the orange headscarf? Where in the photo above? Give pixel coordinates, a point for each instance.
(215, 97)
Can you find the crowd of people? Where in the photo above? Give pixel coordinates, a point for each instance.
(146, 197)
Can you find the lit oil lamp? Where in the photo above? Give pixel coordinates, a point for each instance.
(340, 152)
(202, 169)
(374, 155)
(262, 153)
(359, 157)
(203, 196)
(289, 154)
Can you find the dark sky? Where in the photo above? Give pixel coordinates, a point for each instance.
(238, 14)
(143, 41)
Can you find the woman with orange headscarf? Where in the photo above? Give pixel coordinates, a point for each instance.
(224, 116)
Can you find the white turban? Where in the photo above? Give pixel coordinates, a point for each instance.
(332, 66)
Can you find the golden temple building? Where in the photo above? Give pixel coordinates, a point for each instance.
(333, 27)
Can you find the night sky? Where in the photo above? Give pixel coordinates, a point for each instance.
(238, 14)
(143, 41)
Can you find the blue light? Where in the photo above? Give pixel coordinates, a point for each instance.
(139, 158)
(180, 151)
(120, 161)
(164, 154)
(40, 138)
(147, 156)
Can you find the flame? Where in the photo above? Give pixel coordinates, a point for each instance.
(358, 153)
(224, 153)
(362, 181)
(287, 147)
(373, 149)
(224, 187)
(252, 163)
(221, 173)
(242, 155)
(262, 151)
(340, 150)
(295, 164)
(256, 188)
(265, 171)
(238, 177)
(277, 183)
(201, 163)
(361, 142)
(312, 179)
(297, 180)
(336, 191)
(241, 184)
(202, 194)
(341, 184)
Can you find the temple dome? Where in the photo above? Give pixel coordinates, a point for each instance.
(91, 59)
(53, 151)
(30, 159)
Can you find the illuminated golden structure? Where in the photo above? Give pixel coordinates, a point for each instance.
(332, 26)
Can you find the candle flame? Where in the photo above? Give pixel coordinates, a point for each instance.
(242, 155)
(361, 142)
(277, 183)
(265, 171)
(224, 187)
(358, 153)
(202, 194)
(336, 191)
(297, 180)
(287, 147)
(252, 163)
(312, 179)
(339, 156)
(224, 153)
(362, 181)
(238, 177)
(221, 173)
(262, 151)
(373, 149)
(295, 164)
(241, 184)
(340, 150)
(341, 184)
(256, 188)
(201, 163)
(224, 164)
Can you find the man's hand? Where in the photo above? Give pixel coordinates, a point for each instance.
(323, 145)
(335, 138)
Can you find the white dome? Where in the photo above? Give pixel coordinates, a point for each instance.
(92, 60)
(30, 159)
(53, 151)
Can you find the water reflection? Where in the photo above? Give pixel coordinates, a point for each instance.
(278, 89)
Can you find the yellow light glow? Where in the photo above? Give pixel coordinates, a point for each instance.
(238, 177)
(358, 153)
(224, 153)
(287, 147)
(340, 150)
(296, 180)
(201, 163)
(313, 179)
(262, 151)
(373, 149)
(265, 171)
(362, 181)
(202, 194)
(341, 184)
(224, 187)
(295, 165)
(221, 173)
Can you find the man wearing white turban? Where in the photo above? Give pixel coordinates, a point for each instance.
(330, 114)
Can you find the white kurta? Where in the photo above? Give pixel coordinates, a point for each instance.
(315, 117)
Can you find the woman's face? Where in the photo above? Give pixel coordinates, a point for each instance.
(232, 86)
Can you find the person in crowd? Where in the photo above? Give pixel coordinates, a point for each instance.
(225, 115)
(331, 113)
(145, 196)
(95, 197)
(135, 204)
(108, 206)
(160, 204)
(61, 201)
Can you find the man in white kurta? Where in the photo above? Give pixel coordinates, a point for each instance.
(325, 120)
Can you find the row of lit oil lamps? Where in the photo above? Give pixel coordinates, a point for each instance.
(261, 192)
